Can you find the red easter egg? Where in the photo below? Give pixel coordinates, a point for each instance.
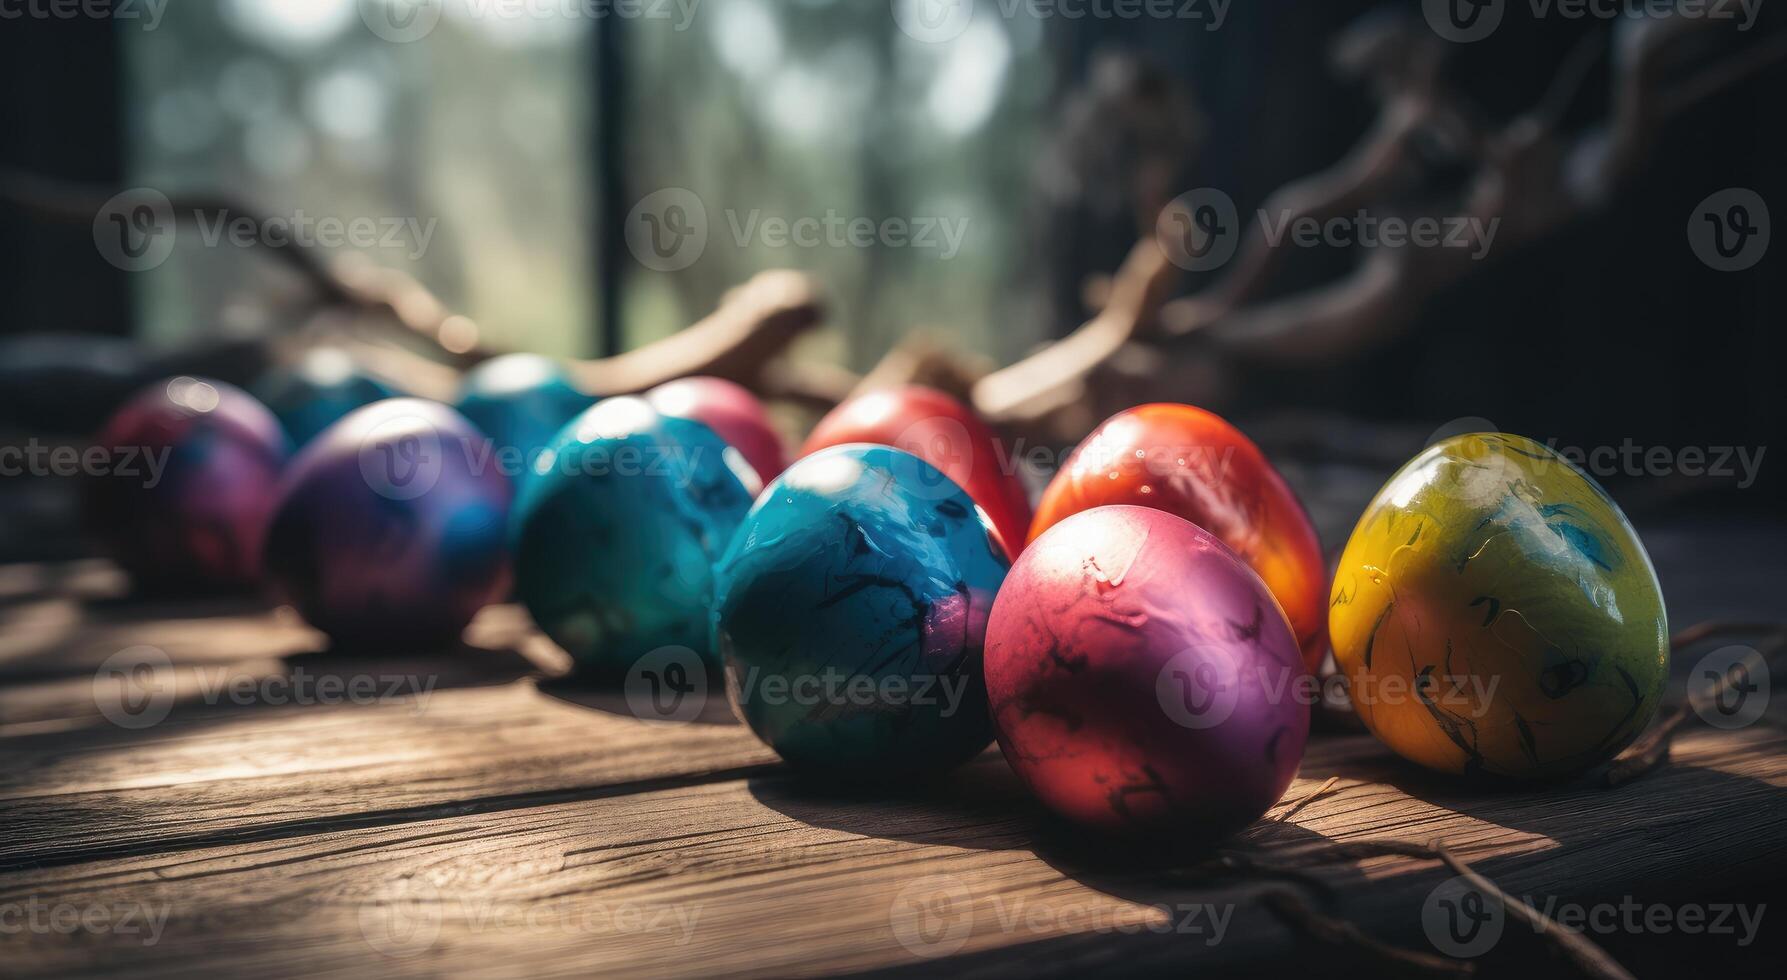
(1193, 464)
(944, 433)
(735, 415)
(1142, 678)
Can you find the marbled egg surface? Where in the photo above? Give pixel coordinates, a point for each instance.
(1494, 612)
(1142, 678)
(1194, 464)
(851, 611)
(616, 531)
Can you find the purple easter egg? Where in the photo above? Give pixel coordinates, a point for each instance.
(1143, 678)
(390, 527)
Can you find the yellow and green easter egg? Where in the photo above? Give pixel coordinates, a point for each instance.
(1494, 612)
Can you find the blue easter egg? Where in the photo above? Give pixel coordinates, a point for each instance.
(520, 401)
(616, 530)
(318, 391)
(851, 611)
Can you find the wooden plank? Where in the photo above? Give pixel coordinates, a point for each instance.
(763, 876)
(64, 659)
(290, 839)
(61, 622)
(227, 774)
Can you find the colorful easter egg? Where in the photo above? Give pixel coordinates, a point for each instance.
(191, 474)
(521, 401)
(944, 433)
(317, 391)
(1193, 464)
(390, 527)
(1494, 612)
(851, 611)
(732, 412)
(1142, 678)
(616, 532)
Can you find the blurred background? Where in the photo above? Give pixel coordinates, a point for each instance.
(522, 137)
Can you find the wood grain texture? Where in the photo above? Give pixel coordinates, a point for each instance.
(475, 817)
(58, 655)
(79, 796)
(765, 876)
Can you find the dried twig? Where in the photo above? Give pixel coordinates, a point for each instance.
(1589, 959)
(1338, 932)
(1530, 176)
(1305, 801)
(1648, 753)
(753, 326)
(1651, 750)
(1028, 393)
(1713, 628)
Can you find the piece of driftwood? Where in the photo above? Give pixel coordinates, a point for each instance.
(1531, 176)
(1048, 392)
(746, 334)
(754, 325)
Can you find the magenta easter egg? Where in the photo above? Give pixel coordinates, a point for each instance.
(732, 412)
(391, 527)
(191, 474)
(1142, 677)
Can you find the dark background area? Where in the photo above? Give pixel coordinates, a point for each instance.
(1610, 329)
(62, 116)
(1607, 330)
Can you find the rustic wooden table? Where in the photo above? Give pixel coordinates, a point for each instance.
(195, 789)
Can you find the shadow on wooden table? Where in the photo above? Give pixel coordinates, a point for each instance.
(321, 678)
(1670, 840)
(1688, 833)
(143, 687)
(611, 696)
(980, 805)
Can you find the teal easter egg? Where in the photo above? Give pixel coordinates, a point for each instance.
(616, 530)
